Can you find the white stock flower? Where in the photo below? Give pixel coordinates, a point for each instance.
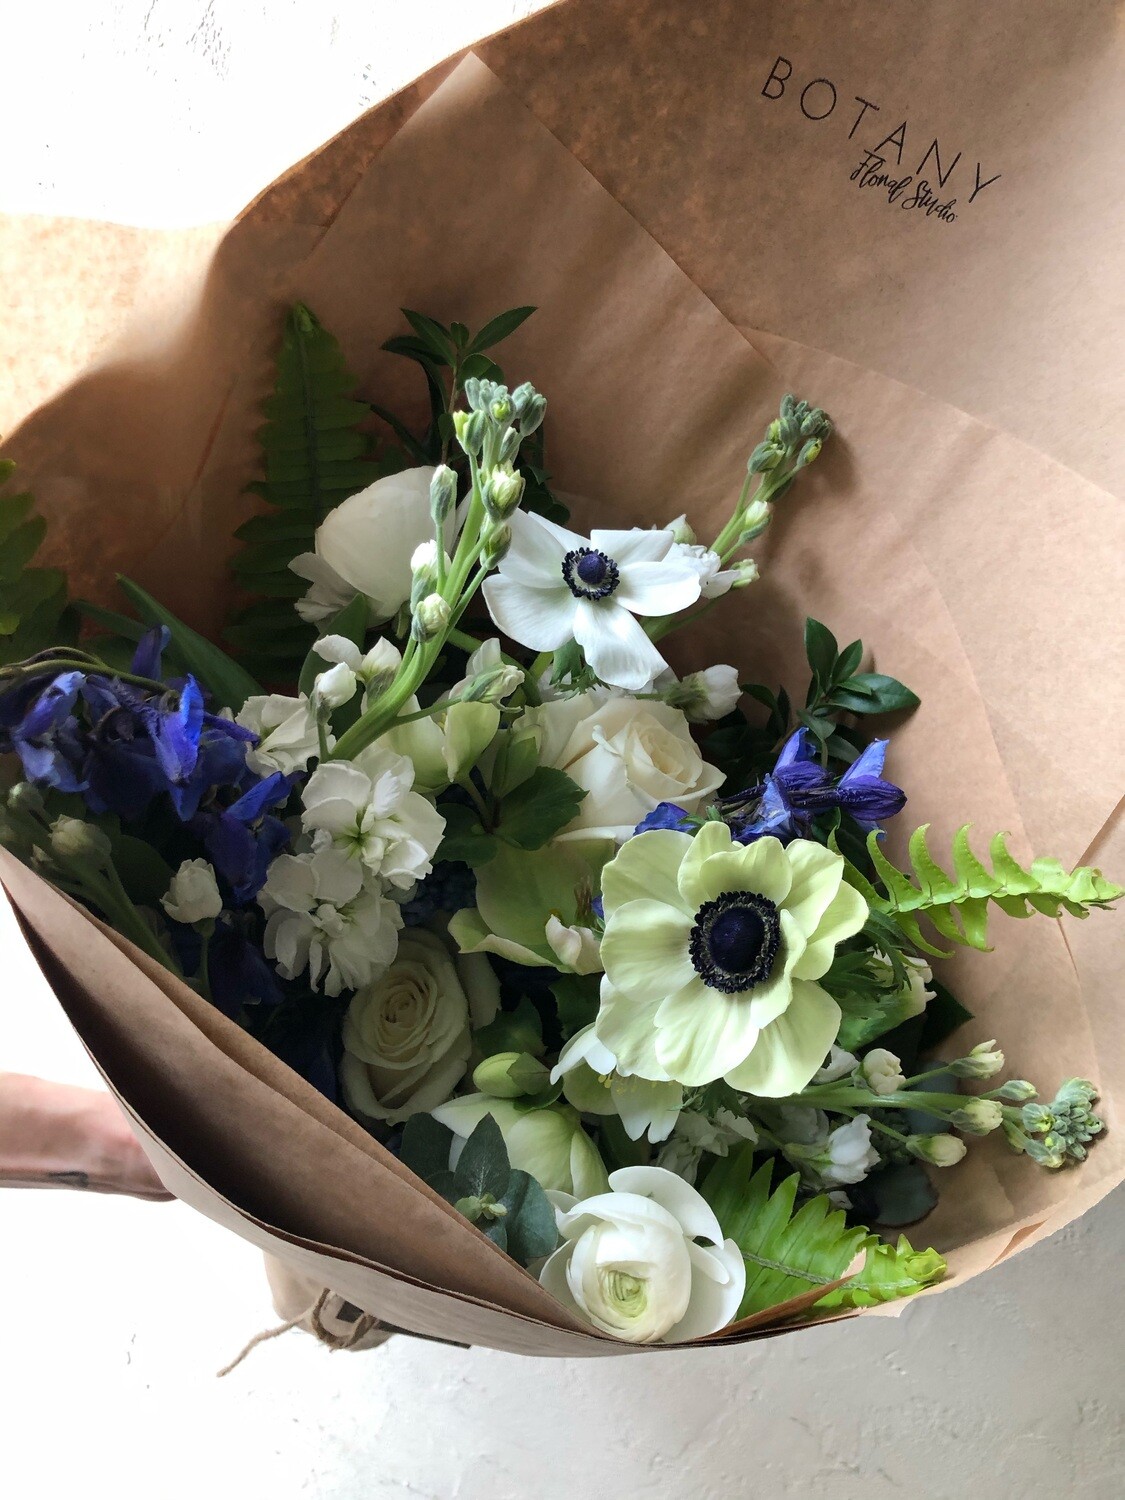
(593, 1083)
(714, 579)
(374, 668)
(707, 695)
(883, 1071)
(486, 660)
(695, 1133)
(320, 916)
(553, 586)
(838, 1064)
(406, 1035)
(335, 687)
(628, 755)
(849, 1152)
(286, 730)
(646, 1262)
(365, 545)
(365, 809)
(329, 593)
(193, 893)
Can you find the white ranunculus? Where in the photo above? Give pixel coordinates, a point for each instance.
(369, 540)
(646, 1262)
(321, 917)
(406, 1036)
(365, 808)
(193, 893)
(286, 730)
(627, 754)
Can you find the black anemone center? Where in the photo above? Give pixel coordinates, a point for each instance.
(735, 940)
(590, 574)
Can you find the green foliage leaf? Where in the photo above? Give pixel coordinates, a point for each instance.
(790, 1249)
(890, 1272)
(464, 838)
(498, 329)
(821, 650)
(896, 1195)
(957, 905)
(483, 1165)
(315, 455)
(538, 808)
(229, 684)
(34, 613)
(576, 996)
(532, 1231)
(518, 1030)
(425, 1146)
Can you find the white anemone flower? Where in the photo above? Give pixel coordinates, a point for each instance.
(592, 1082)
(322, 917)
(365, 809)
(554, 586)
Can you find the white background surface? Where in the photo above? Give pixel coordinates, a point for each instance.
(116, 1314)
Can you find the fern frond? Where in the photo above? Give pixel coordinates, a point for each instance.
(34, 609)
(956, 905)
(789, 1252)
(316, 456)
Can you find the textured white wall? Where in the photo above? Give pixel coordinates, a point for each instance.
(116, 1314)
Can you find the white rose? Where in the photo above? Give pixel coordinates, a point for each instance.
(193, 893)
(632, 1262)
(286, 730)
(369, 540)
(406, 1036)
(628, 756)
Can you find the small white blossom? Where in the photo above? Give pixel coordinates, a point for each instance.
(695, 1133)
(286, 730)
(883, 1071)
(850, 1154)
(375, 668)
(707, 695)
(334, 688)
(838, 1065)
(193, 893)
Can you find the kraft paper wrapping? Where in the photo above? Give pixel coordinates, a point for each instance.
(695, 247)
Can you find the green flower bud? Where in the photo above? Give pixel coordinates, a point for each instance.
(1016, 1091)
(71, 838)
(510, 1075)
(469, 428)
(978, 1116)
(443, 493)
(497, 540)
(28, 799)
(938, 1150)
(755, 518)
(509, 445)
(430, 617)
(503, 491)
(982, 1062)
(766, 456)
(746, 572)
(532, 416)
(809, 453)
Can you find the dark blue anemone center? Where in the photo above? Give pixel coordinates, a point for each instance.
(735, 941)
(590, 574)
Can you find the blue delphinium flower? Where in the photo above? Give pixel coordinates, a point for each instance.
(243, 839)
(666, 815)
(799, 789)
(38, 723)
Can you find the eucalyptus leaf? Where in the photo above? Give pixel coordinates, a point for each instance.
(530, 1222)
(483, 1166)
(425, 1146)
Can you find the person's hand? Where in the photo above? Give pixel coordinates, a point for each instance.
(55, 1135)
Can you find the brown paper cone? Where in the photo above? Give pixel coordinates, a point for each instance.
(552, 168)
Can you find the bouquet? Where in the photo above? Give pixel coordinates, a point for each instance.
(612, 958)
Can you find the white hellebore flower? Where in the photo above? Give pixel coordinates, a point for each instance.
(576, 948)
(321, 917)
(554, 586)
(286, 730)
(193, 893)
(627, 755)
(592, 1082)
(550, 1143)
(646, 1262)
(712, 951)
(882, 1070)
(365, 809)
(406, 1035)
(365, 545)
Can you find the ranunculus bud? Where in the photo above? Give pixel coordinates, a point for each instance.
(938, 1150)
(510, 1075)
(706, 696)
(431, 616)
(193, 895)
(71, 838)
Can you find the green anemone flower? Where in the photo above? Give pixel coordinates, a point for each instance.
(712, 951)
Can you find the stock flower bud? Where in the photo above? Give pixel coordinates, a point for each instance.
(25, 798)
(443, 493)
(503, 491)
(431, 616)
(809, 453)
(497, 540)
(469, 428)
(193, 894)
(765, 456)
(71, 838)
(982, 1062)
(746, 572)
(334, 688)
(531, 418)
(755, 518)
(883, 1071)
(978, 1116)
(938, 1150)
(1016, 1091)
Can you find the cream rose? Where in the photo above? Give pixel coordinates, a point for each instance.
(406, 1036)
(627, 754)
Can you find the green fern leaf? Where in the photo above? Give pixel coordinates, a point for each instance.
(315, 455)
(789, 1252)
(956, 906)
(34, 608)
